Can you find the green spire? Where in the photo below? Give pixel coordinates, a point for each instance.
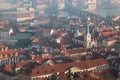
(87, 28)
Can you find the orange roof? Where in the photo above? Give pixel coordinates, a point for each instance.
(21, 63)
(74, 51)
(24, 16)
(10, 51)
(8, 67)
(105, 29)
(46, 30)
(109, 33)
(2, 46)
(111, 38)
(38, 59)
(47, 69)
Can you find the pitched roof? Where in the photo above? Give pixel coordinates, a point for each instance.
(21, 63)
(2, 46)
(73, 51)
(48, 69)
(10, 51)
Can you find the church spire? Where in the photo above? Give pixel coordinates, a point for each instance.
(87, 37)
(87, 27)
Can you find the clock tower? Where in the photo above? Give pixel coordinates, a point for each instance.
(87, 37)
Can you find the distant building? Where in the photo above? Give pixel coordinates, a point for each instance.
(7, 38)
(77, 33)
(61, 4)
(91, 5)
(24, 17)
(10, 70)
(22, 35)
(19, 9)
(115, 2)
(4, 5)
(27, 4)
(46, 71)
(4, 35)
(74, 52)
(9, 55)
(109, 42)
(46, 33)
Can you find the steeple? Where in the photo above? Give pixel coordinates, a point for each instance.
(87, 36)
(87, 28)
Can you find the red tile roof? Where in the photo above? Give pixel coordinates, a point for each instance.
(25, 16)
(73, 51)
(111, 38)
(47, 30)
(107, 33)
(2, 46)
(39, 59)
(47, 69)
(21, 63)
(105, 29)
(13, 51)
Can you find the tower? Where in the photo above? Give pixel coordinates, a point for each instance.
(61, 4)
(91, 5)
(87, 37)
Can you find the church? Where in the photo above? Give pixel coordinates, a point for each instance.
(85, 40)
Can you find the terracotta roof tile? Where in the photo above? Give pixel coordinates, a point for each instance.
(47, 69)
(111, 38)
(2, 46)
(107, 33)
(25, 16)
(21, 63)
(74, 51)
(10, 51)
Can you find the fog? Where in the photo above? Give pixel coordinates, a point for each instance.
(47, 7)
